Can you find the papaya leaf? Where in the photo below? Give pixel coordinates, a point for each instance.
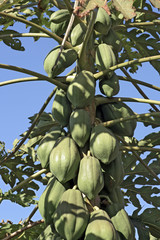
(125, 7)
(25, 199)
(155, 3)
(143, 231)
(151, 218)
(151, 140)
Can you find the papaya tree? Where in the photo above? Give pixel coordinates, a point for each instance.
(85, 150)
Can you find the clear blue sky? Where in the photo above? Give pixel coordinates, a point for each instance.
(19, 101)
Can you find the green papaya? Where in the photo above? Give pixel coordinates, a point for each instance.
(103, 144)
(105, 58)
(113, 173)
(113, 40)
(77, 34)
(100, 227)
(80, 126)
(109, 86)
(71, 216)
(67, 58)
(47, 143)
(60, 16)
(61, 108)
(103, 21)
(49, 233)
(50, 198)
(90, 172)
(64, 159)
(123, 224)
(117, 110)
(59, 28)
(81, 91)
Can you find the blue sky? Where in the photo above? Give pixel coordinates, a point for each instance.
(19, 101)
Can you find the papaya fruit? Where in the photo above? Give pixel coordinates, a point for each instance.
(113, 40)
(49, 199)
(49, 233)
(71, 216)
(122, 223)
(59, 28)
(47, 143)
(80, 126)
(109, 86)
(116, 110)
(103, 21)
(103, 144)
(90, 172)
(60, 16)
(105, 58)
(81, 91)
(100, 227)
(64, 159)
(61, 108)
(113, 173)
(59, 21)
(67, 58)
(77, 34)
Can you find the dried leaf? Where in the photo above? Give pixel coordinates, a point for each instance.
(155, 3)
(89, 5)
(125, 7)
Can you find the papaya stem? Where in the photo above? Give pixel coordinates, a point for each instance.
(83, 52)
(52, 35)
(103, 100)
(138, 24)
(139, 89)
(31, 214)
(136, 116)
(30, 129)
(12, 35)
(27, 71)
(128, 63)
(140, 159)
(138, 82)
(141, 149)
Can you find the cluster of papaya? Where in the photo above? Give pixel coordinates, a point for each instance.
(83, 199)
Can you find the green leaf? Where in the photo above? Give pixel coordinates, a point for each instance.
(151, 218)
(14, 43)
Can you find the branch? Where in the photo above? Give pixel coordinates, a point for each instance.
(31, 214)
(139, 89)
(19, 80)
(30, 225)
(40, 76)
(141, 149)
(138, 24)
(125, 64)
(30, 129)
(21, 184)
(12, 35)
(136, 116)
(52, 35)
(103, 100)
(139, 82)
(140, 159)
(148, 12)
